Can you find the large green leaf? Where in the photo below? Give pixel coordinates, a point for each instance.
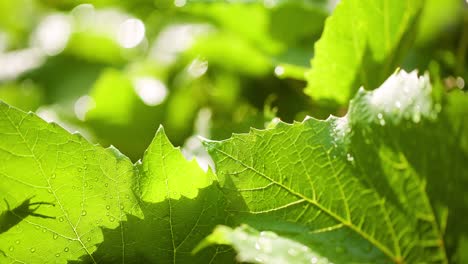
(361, 45)
(365, 181)
(69, 200)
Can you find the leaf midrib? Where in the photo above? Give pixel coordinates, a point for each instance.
(345, 222)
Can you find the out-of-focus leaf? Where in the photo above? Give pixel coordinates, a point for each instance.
(262, 247)
(361, 45)
(25, 95)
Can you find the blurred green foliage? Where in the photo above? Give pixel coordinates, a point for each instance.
(116, 70)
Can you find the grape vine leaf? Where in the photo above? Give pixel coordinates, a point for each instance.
(71, 201)
(360, 45)
(74, 187)
(369, 180)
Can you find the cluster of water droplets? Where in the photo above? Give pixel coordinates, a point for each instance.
(403, 96)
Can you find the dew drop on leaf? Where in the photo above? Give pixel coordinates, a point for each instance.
(83, 213)
(57, 255)
(55, 236)
(32, 250)
(60, 219)
(107, 207)
(17, 242)
(11, 248)
(112, 219)
(66, 249)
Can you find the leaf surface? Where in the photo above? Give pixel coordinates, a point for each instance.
(361, 173)
(82, 187)
(70, 201)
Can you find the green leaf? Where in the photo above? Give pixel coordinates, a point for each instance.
(59, 190)
(69, 200)
(167, 174)
(181, 205)
(359, 179)
(262, 247)
(361, 45)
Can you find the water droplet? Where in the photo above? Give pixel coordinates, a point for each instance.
(11, 248)
(107, 207)
(106, 185)
(17, 242)
(112, 219)
(80, 169)
(66, 249)
(32, 250)
(55, 236)
(53, 176)
(57, 255)
(44, 230)
(382, 122)
(88, 239)
(121, 207)
(61, 219)
(83, 213)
